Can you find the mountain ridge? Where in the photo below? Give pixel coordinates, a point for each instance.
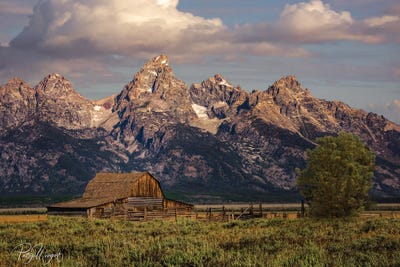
(210, 140)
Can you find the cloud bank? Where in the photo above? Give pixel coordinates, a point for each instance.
(87, 36)
(314, 22)
(71, 28)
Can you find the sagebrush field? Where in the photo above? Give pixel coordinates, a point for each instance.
(61, 241)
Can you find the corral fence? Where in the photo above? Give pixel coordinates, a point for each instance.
(226, 213)
(210, 213)
(147, 214)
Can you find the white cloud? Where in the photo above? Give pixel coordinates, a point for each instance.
(142, 28)
(394, 110)
(316, 22)
(168, 3)
(96, 37)
(113, 26)
(312, 17)
(381, 21)
(390, 110)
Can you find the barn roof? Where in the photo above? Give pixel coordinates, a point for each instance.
(112, 185)
(82, 203)
(105, 188)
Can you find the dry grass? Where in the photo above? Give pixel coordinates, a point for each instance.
(17, 211)
(354, 241)
(22, 218)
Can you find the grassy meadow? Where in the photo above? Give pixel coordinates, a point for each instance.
(62, 241)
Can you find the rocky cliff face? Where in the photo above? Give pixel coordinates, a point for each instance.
(153, 100)
(212, 141)
(17, 104)
(58, 104)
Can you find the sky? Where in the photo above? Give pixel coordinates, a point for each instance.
(340, 50)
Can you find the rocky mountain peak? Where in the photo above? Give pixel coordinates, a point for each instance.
(287, 91)
(16, 81)
(16, 87)
(288, 84)
(161, 60)
(219, 80)
(155, 81)
(144, 81)
(210, 139)
(17, 103)
(154, 98)
(215, 89)
(56, 85)
(59, 104)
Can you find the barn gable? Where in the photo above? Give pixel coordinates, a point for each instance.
(123, 185)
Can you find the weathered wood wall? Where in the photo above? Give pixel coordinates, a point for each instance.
(149, 202)
(146, 186)
(172, 204)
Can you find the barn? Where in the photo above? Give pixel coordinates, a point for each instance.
(134, 196)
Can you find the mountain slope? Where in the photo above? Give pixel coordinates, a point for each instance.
(209, 141)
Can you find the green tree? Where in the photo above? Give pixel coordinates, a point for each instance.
(338, 176)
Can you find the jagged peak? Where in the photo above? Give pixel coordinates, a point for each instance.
(55, 84)
(219, 80)
(156, 65)
(287, 85)
(144, 81)
(54, 77)
(214, 81)
(16, 80)
(17, 87)
(161, 60)
(289, 82)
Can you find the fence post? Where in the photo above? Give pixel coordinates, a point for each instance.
(145, 213)
(303, 210)
(223, 213)
(251, 210)
(261, 211)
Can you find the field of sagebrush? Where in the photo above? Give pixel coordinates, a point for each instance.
(74, 242)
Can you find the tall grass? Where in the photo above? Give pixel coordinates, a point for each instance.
(259, 242)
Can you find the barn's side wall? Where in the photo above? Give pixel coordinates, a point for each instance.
(147, 186)
(173, 204)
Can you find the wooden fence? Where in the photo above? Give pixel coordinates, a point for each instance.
(225, 214)
(210, 214)
(146, 214)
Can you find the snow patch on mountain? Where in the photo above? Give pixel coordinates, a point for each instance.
(201, 111)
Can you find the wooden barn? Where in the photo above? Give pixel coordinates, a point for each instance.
(133, 196)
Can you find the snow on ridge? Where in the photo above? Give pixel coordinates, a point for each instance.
(201, 111)
(97, 108)
(223, 82)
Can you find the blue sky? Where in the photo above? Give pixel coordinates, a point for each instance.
(342, 50)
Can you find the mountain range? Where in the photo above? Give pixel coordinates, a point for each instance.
(212, 141)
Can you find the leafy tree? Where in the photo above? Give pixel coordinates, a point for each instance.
(338, 176)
